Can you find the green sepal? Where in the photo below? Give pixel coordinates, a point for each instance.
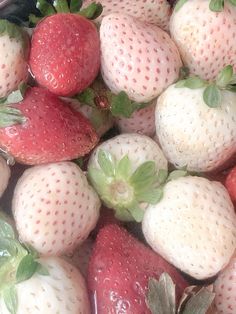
(123, 214)
(61, 6)
(11, 29)
(176, 174)
(87, 97)
(79, 162)
(179, 5)
(10, 116)
(106, 162)
(216, 5)
(75, 5)
(150, 195)
(144, 175)
(200, 302)
(191, 82)
(33, 19)
(31, 250)
(10, 299)
(225, 76)
(183, 73)
(42, 270)
(98, 180)
(45, 8)
(233, 2)
(26, 268)
(92, 11)
(212, 96)
(136, 211)
(123, 168)
(6, 230)
(162, 176)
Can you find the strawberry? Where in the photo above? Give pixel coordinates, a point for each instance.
(230, 184)
(224, 288)
(137, 58)
(55, 133)
(126, 172)
(154, 12)
(54, 207)
(119, 271)
(65, 53)
(5, 175)
(205, 38)
(14, 55)
(195, 123)
(193, 226)
(142, 121)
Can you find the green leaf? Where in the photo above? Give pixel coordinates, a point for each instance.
(98, 179)
(162, 176)
(87, 97)
(45, 7)
(106, 162)
(75, 5)
(31, 250)
(10, 299)
(42, 270)
(61, 6)
(233, 2)
(92, 11)
(225, 76)
(6, 230)
(179, 5)
(144, 175)
(8, 247)
(176, 174)
(200, 302)
(10, 116)
(150, 196)
(123, 169)
(194, 82)
(161, 295)
(15, 97)
(216, 5)
(26, 269)
(136, 212)
(212, 96)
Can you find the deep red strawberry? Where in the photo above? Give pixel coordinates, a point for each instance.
(65, 53)
(119, 271)
(231, 184)
(51, 132)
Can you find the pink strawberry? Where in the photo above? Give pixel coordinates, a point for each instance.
(119, 270)
(137, 58)
(206, 39)
(50, 131)
(154, 12)
(5, 175)
(14, 54)
(54, 207)
(65, 53)
(231, 184)
(225, 289)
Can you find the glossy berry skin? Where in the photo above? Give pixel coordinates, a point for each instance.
(119, 269)
(230, 184)
(65, 53)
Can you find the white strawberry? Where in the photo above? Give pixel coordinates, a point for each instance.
(193, 134)
(13, 52)
(4, 175)
(126, 172)
(54, 207)
(137, 58)
(154, 12)
(193, 226)
(142, 121)
(206, 39)
(224, 288)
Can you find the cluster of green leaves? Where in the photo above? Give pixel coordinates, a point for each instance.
(91, 12)
(226, 80)
(18, 263)
(214, 5)
(161, 298)
(144, 185)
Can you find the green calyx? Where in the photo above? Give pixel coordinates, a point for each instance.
(18, 263)
(214, 5)
(91, 12)
(161, 298)
(10, 29)
(226, 80)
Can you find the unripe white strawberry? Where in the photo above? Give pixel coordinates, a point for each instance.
(4, 175)
(137, 58)
(193, 226)
(54, 207)
(13, 62)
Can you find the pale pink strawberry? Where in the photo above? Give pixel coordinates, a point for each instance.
(225, 289)
(142, 121)
(54, 207)
(136, 57)
(206, 39)
(4, 175)
(154, 12)
(14, 54)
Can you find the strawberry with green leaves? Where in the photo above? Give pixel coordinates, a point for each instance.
(5, 175)
(126, 171)
(195, 122)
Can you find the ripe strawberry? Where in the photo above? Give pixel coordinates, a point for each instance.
(51, 131)
(206, 39)
(142, 121)
(14, 54)
(154, 12)
(224, 288)
(230, 184)
(126, 172)
(119, 270)
(5, 175)
(54, 207)
(192, 134)
(65, 53)
(193, 226)
(137, 58)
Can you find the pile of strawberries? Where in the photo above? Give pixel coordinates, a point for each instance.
(118, 158)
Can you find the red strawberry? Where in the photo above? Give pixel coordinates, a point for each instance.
(119, 271)
(51, 132)
(231, 184)
(65, 53)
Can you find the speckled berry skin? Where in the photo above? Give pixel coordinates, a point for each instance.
(4, 175)
(62, 291)
(225, 289)
(191, 133)
(206, 39)
(193, 226)
(54, 207)
(137, 57)
(154, 12)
